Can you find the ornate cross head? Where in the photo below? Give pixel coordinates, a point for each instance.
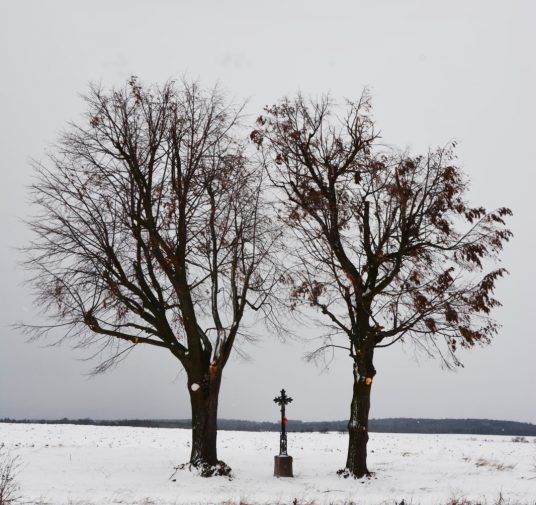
(283, 399)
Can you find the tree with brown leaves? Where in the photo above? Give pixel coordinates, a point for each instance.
(152, 229)
(387, 248)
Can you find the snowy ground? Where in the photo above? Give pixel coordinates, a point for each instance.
(102, 465)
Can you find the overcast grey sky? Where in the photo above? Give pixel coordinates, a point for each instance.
(463, 69)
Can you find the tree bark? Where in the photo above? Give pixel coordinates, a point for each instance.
(204, 395)
(356, 462)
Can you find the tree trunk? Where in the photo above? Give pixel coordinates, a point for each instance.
(356, 462)
(204, 400)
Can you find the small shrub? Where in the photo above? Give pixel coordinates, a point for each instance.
(8, 470)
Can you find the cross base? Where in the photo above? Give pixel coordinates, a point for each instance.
(283, 466)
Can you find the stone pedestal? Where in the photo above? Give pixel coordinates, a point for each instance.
(283, 466)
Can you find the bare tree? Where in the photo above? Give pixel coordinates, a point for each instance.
(151, 230)
(387, 248)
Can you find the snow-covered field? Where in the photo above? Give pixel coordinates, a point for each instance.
(63, 464)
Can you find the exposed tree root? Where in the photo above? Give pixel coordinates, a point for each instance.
(345, 473)
(220, 469)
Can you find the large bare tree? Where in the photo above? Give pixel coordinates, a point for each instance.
(386, 246)
(151, 229)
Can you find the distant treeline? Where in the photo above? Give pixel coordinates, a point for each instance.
(393, 425)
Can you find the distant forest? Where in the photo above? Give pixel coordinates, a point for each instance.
(392, 425)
